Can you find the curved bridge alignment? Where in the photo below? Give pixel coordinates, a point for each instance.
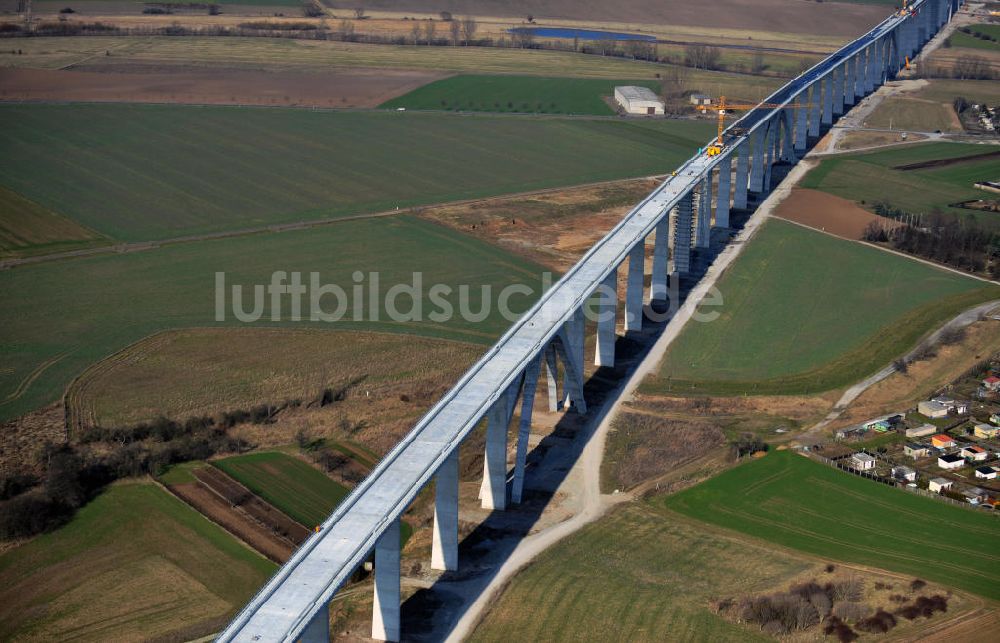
(678, 215)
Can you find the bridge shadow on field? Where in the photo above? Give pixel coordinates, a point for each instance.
(431, 613)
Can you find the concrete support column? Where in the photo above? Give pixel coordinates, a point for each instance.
(552, 383)
(771, 145)
(757, 167)
(879, 63)
(828, 100)
(869, 69)
(816, 107)
(634, 287)
(787, 146)
(385, 610)
(838, 89)
(661, 251)
(444, 547)
(608, 297)
(801, 122)
(523, 430)
(318, 630)
(850, 71)
(722, 198)
(683, 222)
(574, 332)
(703, 229)
(859, 76)
(742, 175)
(493, 491)
(574, 371)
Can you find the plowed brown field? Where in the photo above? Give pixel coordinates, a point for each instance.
(828, 213)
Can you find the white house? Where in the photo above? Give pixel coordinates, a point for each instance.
(932, 409)
(638, 100)
(937, 485)
(974, 452)
(952, 461)
(921, 431)
(916, 450)
(862, 461)
(986, 473)
(904, 473)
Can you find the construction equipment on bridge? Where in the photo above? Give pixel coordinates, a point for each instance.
(715, 147)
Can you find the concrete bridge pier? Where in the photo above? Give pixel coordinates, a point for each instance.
(828, 100)
(493, 490)
(770, 150)
(385, 610)
(661, 254)
(870, 70)
(552, 384)
(318, 630)
(444, 547)
(815, 107)
(851, 67)
(722, 198)
(703, 228)
(523, 433)
(634, 287)
(802, 123)
(838, 89)
(788, 133)
(861, 63)
(742, 174)
(607, 312)
(574, 340)
(683, 226)
(757, 167)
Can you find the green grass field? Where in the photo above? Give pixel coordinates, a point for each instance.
(135, 563)
(787, 499)
(27, 229)
(61, 317)
(294, 487)
(970, 41)
(135, 172)
(902, 113)
(806, 312)
(870, 178)
(639, 573)
(531, 94)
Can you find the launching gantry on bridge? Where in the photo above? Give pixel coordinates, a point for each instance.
(678, 215)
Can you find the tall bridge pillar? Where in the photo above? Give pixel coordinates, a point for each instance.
(552, 385)
(757, 167)
(493, 491)
(742, 174)
(683, 223)
(870, 69)
(860, 64)
(770, 151)
(828, 100)
(839, 80)
(787, 144)
(444, 548)
(607, 307)
(385, 610)
(523, 430)
(703, 227)
(573, 347)
(815, 107)
(661, 254)
(802, 122)
(850, 71)
(634, 287)
(318, 630)
(722, 198)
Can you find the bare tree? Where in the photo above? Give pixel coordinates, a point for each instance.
(702, 56)
(972, 68)
(446, 16)
(347, 29)
(469, 27)
(456, 31)
(415, 33)
(429, 28)
(757, 65)
(359, 13)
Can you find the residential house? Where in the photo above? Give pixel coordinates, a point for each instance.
(937, 485)
(951, 461)
(921, 431)
(974, 452)
(950, 403)
(863, 461)
(904, 473)
(986, 473)
(992, 383)
(986, 431)
(932, 409)
(915, 450)
(995, 418)
(942, 441)
(975, 495)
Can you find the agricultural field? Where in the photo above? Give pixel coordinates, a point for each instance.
(133, 563)
(914, 114)
(61, 317)
(291, 485)
(193, 372)
(534, 94)
(168, 171)
(814, 305)
(789, 500)
(982, 36)
(27, 229)
(877, 177)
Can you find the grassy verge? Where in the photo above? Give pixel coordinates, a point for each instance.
(136, 563)
(826, 312)
(790, 500)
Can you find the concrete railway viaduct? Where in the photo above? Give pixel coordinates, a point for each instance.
(679, 216)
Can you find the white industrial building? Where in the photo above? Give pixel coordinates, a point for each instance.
(638, 100)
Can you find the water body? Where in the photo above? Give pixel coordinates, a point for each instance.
(582, 34)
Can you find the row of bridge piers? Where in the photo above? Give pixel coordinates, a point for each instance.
(736, 183)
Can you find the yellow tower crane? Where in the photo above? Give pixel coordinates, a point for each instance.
(723, 108)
